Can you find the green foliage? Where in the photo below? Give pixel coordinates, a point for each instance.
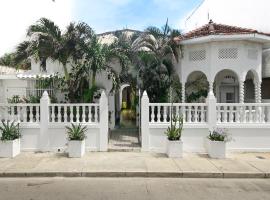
(174, 132)
(15, 99)
(10, 131)
(219, 134)
(9, 59)
(76, 132)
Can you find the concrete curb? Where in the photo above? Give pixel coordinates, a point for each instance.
(239, 175)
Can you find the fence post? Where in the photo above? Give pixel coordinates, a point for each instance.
(212, 111)
(145, 121)
(103, 122)
(44, 143)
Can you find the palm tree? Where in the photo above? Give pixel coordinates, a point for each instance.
(160, 44)
(98, 57)
(47, 41)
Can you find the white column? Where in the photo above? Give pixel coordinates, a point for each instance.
(258, 92)
(183, 92)
(145, 121)
(211, 89)
(211, 105)
(44, 143)
(241, 91)
(103, 122)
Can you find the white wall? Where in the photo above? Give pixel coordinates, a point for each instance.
(211, 65)
(244, 139)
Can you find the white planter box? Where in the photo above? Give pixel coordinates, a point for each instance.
(175, 149)
(216, 149)
(76, 148)
(10, 149)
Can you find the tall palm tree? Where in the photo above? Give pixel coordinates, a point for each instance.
(47, 41)
(160, 43)
(98, 57)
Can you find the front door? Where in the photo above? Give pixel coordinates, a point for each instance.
(228, 94)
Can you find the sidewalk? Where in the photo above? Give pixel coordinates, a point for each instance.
(136, 164)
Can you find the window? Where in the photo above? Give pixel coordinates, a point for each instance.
(229, 97)
(228, 53)
(197, 55)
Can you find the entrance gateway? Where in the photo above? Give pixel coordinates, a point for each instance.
(125, 136)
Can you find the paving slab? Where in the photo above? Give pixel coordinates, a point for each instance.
(134, 164)
(234, 166)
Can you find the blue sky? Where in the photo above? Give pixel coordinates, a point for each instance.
(101, 15)
(107, 15)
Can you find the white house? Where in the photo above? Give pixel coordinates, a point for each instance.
(232, 60)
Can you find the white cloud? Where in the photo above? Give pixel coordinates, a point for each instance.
(17, 15)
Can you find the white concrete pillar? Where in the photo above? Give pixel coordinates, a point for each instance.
(103, 122)
(258, 92)
(211, 88)
(44, 140)
(145, 121)
(241, 91)
(212, 111)
(183, 92)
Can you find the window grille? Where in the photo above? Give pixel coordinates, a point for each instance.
(197, 55)
(228, 53)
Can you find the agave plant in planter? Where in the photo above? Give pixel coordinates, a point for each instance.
(174, 133)
(10, 139)
(76, 140)
(216, 143)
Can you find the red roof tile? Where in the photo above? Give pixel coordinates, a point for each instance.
(217, 29)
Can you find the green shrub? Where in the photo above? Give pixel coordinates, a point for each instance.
(10, 131)
(76, 132)
(173, 132)
(219, 134)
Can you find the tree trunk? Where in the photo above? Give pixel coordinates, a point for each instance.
(94, 79)
(67, 77)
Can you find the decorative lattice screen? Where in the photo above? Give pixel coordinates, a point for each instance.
(228, 53)
(253, 54)
(197, 55)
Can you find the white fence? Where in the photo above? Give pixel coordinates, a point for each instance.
(43, 125)
(249, 124)
(191, 113)
(243, 113)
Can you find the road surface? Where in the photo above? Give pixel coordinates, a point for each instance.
(133, 188)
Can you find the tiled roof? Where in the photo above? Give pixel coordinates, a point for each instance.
(217, 29)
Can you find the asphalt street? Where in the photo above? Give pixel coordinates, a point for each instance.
(133, 188)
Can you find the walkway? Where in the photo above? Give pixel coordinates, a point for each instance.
(124, 139)
(134, 164)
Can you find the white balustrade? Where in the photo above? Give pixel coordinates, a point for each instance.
(165, 112)
(85, 113)
(243, 112)
(20, 112)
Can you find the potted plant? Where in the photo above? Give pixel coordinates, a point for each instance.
(174, 142)
(10, 139)
(76, 140)
(216, 143)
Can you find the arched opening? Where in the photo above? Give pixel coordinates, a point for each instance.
(226, 87)
(127, 107)
(250, 81)
(196, 87)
